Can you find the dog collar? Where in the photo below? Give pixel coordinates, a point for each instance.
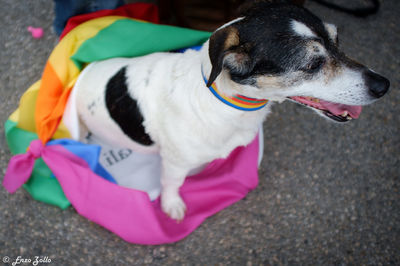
(236, 101)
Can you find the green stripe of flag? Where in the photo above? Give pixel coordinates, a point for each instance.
(130, 38)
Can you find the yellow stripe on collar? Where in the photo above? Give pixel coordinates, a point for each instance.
(237, 101)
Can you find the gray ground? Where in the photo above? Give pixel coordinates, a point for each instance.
(328, 193)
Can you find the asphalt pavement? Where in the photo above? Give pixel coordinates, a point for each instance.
(328, 194)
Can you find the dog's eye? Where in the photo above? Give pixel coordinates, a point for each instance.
(315, 65)
(266, 67)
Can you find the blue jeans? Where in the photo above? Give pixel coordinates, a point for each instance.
(64, 9)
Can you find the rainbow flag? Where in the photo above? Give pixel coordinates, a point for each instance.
(36, 133)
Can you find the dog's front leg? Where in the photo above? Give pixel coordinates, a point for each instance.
(172, 178)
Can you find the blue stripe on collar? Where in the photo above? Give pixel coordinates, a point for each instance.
(237, 101)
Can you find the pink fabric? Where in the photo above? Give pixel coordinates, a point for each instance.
(129, 213)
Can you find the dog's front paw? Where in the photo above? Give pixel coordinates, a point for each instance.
(173, 205)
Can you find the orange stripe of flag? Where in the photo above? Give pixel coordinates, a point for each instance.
(51, 88)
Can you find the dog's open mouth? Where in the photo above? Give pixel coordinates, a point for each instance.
(336, 111)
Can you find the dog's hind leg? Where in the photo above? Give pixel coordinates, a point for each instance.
(172, 178)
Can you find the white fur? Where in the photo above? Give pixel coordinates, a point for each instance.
(347, 87)
(189, 125)
(301, 29)
(332, 31)
(230, 23)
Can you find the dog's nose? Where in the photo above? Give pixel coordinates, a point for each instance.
(377, 85)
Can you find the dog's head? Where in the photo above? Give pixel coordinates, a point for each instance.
(280, 51)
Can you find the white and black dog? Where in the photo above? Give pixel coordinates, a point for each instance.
(196, 106)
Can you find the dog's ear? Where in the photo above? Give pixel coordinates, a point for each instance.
(225, 51)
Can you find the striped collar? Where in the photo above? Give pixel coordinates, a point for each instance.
(236, 101)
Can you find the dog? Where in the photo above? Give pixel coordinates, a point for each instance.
(197, 106)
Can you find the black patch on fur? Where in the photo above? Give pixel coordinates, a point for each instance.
(125, 110)
(270, 43)
(276, 48)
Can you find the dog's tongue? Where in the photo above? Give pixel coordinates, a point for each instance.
(338, 109)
